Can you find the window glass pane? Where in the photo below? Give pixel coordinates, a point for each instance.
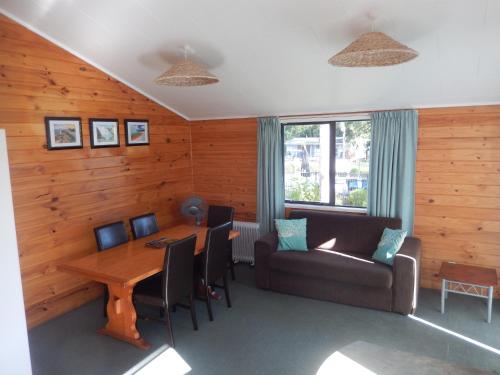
(307, 162)
(352, 148)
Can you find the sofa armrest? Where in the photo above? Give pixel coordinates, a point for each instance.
(264, 247)
(406, 276)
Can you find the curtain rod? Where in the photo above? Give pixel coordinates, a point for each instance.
(358, 113)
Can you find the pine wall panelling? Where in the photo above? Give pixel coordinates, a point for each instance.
(225, 163)
(59, 196)
(457, 213)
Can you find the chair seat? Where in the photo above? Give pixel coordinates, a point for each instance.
(151, 285)
(149, 300)
(148, 291)
(340, 267)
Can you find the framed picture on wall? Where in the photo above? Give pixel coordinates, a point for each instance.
(63, 132)
(104, 133)
(136, 132)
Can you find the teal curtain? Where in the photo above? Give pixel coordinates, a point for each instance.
(270, 188)
(393, 151)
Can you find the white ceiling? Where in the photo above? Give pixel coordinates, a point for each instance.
(271, 55)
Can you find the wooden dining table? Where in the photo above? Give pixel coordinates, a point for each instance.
(122, 267)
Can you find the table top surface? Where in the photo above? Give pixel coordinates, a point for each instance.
(468, 274)
(132, 262)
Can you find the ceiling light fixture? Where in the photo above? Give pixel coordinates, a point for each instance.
(186, 73)
(373, 49)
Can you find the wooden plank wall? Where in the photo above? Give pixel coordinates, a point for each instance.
(59, 196)
(457, 213)
(225, 163)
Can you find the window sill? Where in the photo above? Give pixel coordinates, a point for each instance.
(326, 208)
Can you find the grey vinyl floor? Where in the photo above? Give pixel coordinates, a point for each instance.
(270, 333)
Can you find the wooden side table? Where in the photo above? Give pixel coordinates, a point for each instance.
(468, 280)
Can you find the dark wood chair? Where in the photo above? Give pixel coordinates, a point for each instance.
(108, 236)
(144, 225)
(215, 263)
(218, 215)
(176, 283)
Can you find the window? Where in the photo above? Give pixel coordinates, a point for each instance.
(326, 163)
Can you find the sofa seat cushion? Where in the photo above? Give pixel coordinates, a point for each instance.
(341, 267)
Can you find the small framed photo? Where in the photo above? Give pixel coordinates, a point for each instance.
(136, 132)
(104, 133)
(63, 132)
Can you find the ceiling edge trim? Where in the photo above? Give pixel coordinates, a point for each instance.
(343, 112)
(89, 61)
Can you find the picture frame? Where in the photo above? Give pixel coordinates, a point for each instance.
(104, 132)
(136, 132)
(63, 133)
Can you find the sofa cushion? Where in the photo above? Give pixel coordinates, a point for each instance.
(340, 267)
(389, 245)
(352, 233)
(291, 234)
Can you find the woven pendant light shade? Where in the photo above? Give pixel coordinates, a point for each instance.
(373, 49)
(186, 73)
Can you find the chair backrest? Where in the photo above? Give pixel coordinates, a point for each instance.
(215, 252)
(218, 215)
(177, 277)
(143, 225)
(110, 235)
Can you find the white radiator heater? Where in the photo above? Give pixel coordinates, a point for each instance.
(243, 244)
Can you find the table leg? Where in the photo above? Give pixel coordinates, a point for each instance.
(490, 302)
(122, 316)
(443, 294)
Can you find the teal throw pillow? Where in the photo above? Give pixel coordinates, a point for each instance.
(292, 234)
(389, 245)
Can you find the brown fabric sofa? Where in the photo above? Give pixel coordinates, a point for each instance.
(338, 266)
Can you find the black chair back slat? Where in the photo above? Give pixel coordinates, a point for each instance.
(144, 225)
(218, 215)
(177, 277)
(110, 235)
(216, 252)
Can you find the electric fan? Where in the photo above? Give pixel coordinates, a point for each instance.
(194, 207)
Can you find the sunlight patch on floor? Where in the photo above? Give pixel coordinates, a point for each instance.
(338, 363)
(456, 334)
(165, 361)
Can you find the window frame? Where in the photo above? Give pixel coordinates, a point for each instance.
(333, 150)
